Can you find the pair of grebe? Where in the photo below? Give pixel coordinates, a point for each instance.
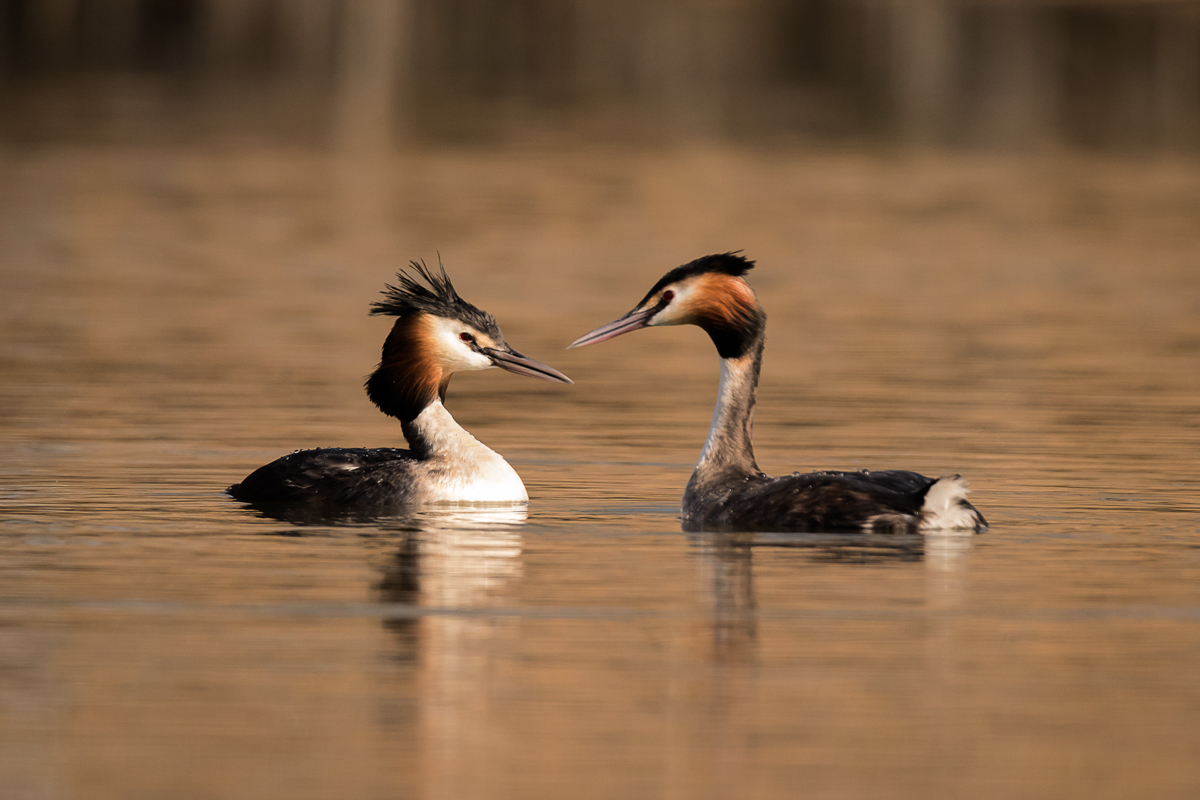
(437, 333)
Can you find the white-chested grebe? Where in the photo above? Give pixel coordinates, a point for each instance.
(436, 334)
(727, 490)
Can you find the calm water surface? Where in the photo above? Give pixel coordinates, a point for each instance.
(174, 316)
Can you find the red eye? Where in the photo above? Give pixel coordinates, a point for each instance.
(668, 296)
(466, 337)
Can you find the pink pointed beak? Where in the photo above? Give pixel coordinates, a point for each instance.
(521, 364)
(633, 321)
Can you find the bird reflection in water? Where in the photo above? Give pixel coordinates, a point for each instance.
(449, 566)
(727, 583)
(947, 556)
(450, 558)
(460, 562)
(453, 559)
(727, 576)
(401, 586)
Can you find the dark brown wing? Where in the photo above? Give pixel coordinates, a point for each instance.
(819, 502)
(335, 476)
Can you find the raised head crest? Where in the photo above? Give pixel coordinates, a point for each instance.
(438, 298)
(436, 334)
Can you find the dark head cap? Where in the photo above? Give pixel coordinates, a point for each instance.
(436, 334)
(732, 263)
(438, 299)
(709, 293)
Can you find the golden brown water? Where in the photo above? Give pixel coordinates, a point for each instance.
(176, 316)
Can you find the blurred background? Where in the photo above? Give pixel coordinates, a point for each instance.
(977, 227)
(1003, 73)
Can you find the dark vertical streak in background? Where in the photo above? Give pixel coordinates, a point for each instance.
(925, 72)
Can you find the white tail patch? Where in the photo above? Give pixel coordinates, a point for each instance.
(944, 507)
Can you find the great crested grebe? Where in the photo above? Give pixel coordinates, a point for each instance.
(727, 490)
(436, 334)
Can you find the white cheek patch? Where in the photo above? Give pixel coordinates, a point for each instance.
(453, 353)
(678, 311)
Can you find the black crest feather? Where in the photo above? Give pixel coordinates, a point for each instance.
(435, 296)
(731, 263)
(404, 383)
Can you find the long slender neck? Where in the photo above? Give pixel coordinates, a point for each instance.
(408, 378)
(729, 447)
(435, 434)
(410, 385)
